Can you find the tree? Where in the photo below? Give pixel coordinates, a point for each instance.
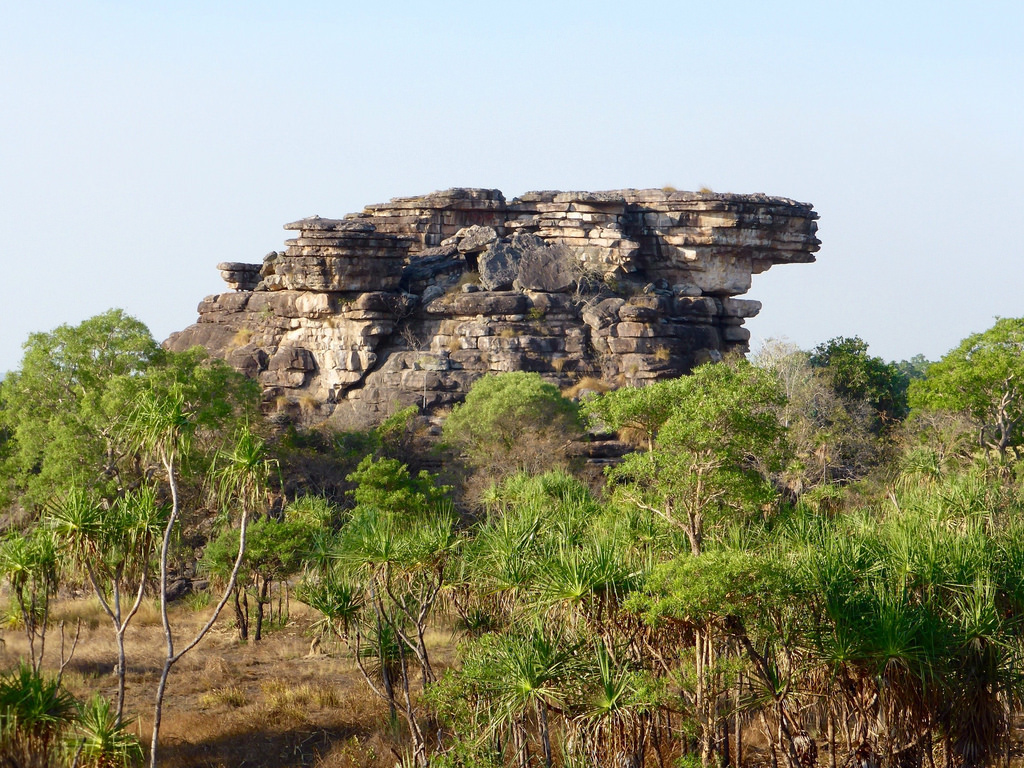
(274, 551)
(173, 406)
(511, 422)
(389, 568)
(58, 418)
(832, 436)
(857, 376)
(713, 454)
(643, 409)
(29, 563)
(114, 549)
(982, 378)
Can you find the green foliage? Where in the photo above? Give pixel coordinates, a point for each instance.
(833, 437)
(981, 378)
(274, 550)
(510, 418)
(30, 564)
(644, 409)
(115, 544)
(386, 484)
(103, 740)
(722, 582)
(714, 454)
(314, 511)
(857, 376)
(188, 397)
(35, 714)
(58, 406)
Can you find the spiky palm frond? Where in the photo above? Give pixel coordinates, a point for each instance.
(35, 714)
(101, 741)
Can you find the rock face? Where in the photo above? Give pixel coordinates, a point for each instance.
(412, 300)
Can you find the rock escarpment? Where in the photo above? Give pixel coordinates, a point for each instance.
(412, 300)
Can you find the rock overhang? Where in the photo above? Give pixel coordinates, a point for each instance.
(410, 301)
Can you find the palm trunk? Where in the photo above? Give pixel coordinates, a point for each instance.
(545, 734)
(738, 724)
(241, 618)
(831, 739)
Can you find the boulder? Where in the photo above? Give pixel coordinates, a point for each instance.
(475, 239)
(499, 266)
(411, 301)
(545, 268)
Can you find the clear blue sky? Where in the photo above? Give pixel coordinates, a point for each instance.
(143, 142)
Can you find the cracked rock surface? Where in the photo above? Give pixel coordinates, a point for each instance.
(410, 301)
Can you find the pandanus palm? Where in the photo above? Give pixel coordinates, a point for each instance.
(35, 715)
(114, 547)
(529, 676)
(613, 729)
(30, 565)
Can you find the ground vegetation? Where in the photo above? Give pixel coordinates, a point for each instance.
(813, 558)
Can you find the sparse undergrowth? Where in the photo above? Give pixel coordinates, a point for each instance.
(270, 704)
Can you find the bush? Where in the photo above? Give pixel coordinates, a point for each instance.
(35, 714)
(513, 422)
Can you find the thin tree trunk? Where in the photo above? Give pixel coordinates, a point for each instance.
(738, 723)
(120, 627)
(726, 750)
(545, 734)
(241, 620)
(261, 601)
(419, 744)
(831, 738)
(172, 658)
(771, 740)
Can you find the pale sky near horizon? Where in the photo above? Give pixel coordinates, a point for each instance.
(142, 142)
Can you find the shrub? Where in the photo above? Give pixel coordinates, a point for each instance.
(35, 714)
(511, 422)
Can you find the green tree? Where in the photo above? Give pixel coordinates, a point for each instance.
(832, 436)
(30, 565)
(643, 409)
(36, 713)
(512, 422)
(858, 376)
(982, 378)
(177, 409)
(60, 424)
(114, 549)
(275, 550)
(714, 454)
(377, 595)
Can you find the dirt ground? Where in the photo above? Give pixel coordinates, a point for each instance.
(268, 705)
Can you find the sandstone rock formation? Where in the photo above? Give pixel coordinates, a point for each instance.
(412, 300)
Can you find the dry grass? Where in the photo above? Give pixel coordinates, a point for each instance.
(92, 616)
(231, 696)
(591, 383)
(269, 704)
(241, 338)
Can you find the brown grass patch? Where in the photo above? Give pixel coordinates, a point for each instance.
(591, 383)
(266, 704)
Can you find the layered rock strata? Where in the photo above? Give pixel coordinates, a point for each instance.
(412, 300)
